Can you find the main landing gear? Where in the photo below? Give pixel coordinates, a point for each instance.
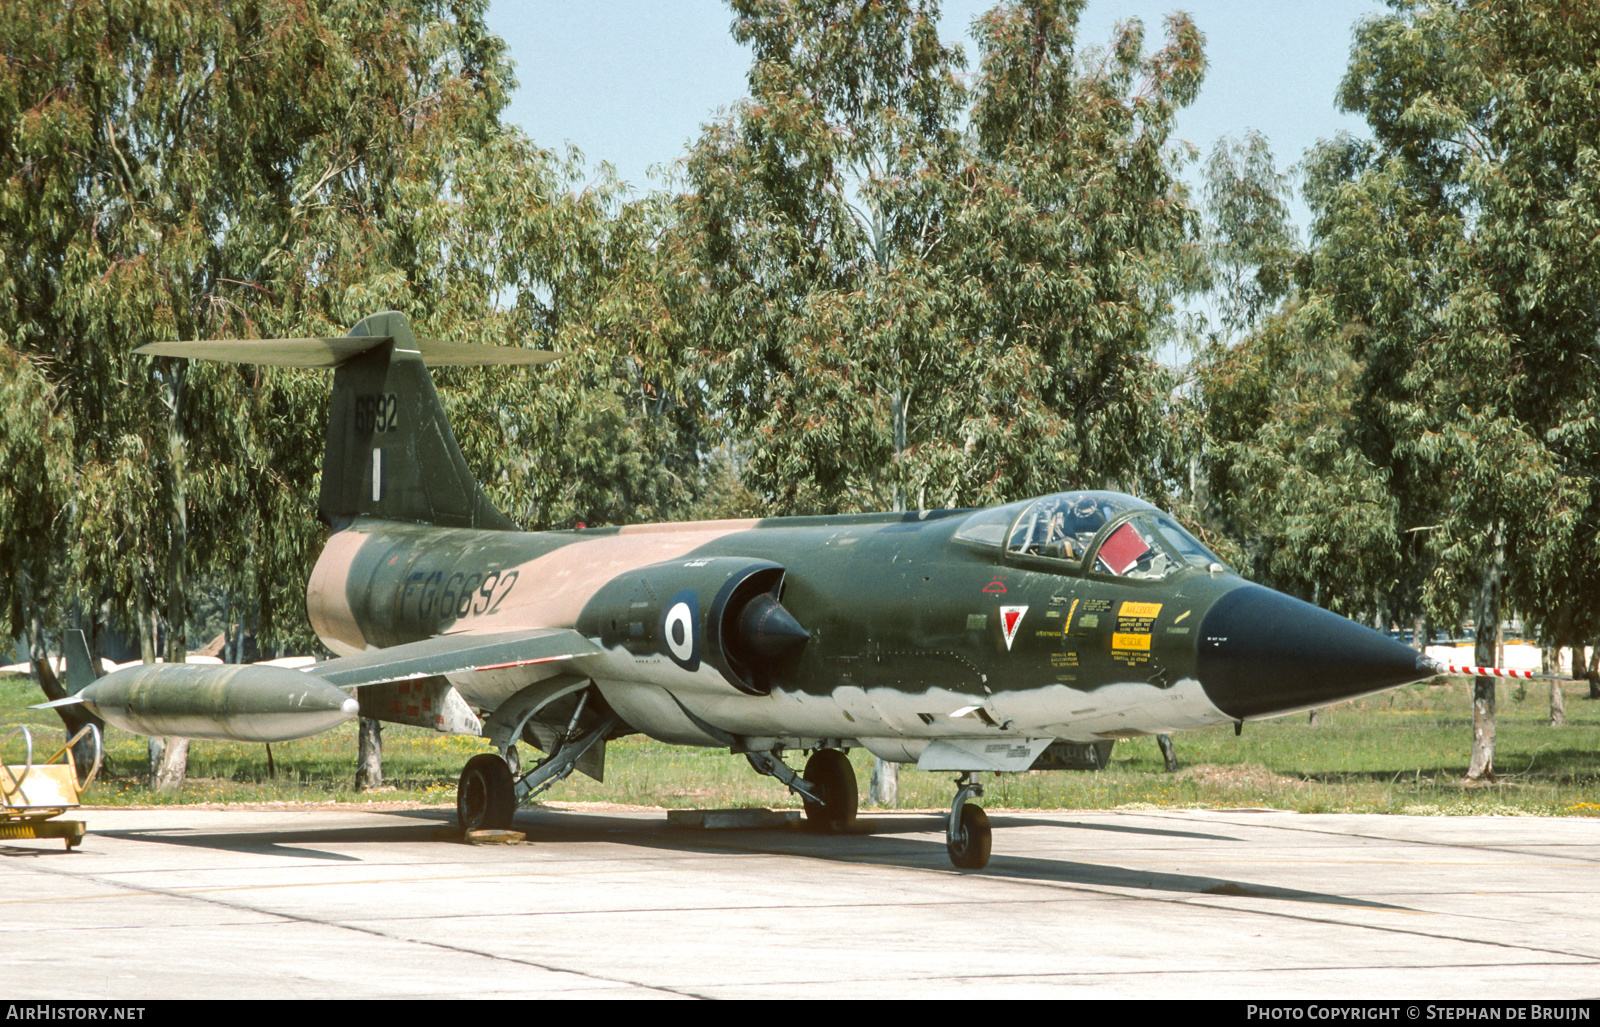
(486, 794)
(830, 773)
(967, 836)
(827, 790)
(493, 785)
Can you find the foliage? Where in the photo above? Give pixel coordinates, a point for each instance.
(896, 312)
(1427, 398)
(1316, 517)
(176, 170)
(1249, 242)
(35, 479)
(1454, 249)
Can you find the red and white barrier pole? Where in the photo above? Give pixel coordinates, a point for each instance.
(1492, 672)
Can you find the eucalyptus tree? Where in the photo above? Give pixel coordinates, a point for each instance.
(1065, 238)
(892, 310)
(196, 170)
(1249, 244)
(35, 488)
(1280, 472)
(809, 214)
(1452, 256)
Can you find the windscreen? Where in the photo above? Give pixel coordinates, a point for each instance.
(1150, 545)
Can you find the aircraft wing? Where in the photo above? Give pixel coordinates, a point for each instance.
(452, 654)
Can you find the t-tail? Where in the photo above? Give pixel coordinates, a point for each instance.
(390, 453)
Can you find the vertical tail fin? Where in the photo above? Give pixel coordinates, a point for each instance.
(77, 666)
(390, 452)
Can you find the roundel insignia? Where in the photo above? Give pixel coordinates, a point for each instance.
(679, 631)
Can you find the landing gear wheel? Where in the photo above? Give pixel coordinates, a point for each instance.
(486, 795)
(835, 778)
(969, 844)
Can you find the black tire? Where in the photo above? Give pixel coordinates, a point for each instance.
(835, 778)
(969, 849)
(485, 796)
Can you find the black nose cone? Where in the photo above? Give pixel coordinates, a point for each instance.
(1262, 652)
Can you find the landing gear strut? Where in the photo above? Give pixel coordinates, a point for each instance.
(493, 784)
(827, 790)
(967, 836)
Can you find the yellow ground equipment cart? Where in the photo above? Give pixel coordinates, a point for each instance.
(33, 795)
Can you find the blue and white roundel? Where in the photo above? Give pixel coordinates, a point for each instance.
(680, 635)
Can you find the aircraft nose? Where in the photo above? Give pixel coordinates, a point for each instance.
(1261, 652)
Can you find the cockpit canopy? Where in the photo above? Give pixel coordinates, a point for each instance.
(1091, 532)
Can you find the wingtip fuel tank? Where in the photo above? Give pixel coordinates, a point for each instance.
(241, 703)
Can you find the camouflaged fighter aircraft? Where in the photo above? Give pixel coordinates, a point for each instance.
(1027, 635)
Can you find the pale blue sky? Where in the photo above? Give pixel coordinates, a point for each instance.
(632, 81)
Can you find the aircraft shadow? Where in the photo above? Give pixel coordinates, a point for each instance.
(875, 841)
(883, 840)
(297, 844)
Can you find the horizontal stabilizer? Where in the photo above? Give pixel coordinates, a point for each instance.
(454, 654)
(439, 353)
(335, 351)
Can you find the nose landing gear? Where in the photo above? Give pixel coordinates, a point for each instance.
(967, 835)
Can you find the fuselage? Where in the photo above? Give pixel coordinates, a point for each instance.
(917, 627)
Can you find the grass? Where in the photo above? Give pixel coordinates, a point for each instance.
(1404, 751)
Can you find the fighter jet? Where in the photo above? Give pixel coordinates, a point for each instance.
(965, 641)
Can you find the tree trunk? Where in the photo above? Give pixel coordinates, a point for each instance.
(1550, 663)
(174, 763)
(1487, 634)
(155, 748)
(147, 633)
(883, 787)
(369, 759)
